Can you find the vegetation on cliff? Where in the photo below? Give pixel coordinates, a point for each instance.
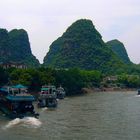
(81, 46)
(119, 49)
(15, 47)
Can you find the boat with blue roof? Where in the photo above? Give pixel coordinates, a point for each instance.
(16, 102)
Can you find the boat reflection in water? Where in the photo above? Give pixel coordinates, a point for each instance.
(15, 102)
(47, 97)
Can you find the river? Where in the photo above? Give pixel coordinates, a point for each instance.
(97, 116)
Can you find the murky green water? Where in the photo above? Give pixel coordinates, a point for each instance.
(98, 116)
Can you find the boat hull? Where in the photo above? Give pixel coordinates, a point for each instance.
(60, 96)
(48, 102)
(13, 114)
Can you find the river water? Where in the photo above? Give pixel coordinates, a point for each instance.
(97, 116)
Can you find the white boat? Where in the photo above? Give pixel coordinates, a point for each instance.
(47, 96)
(60, 93)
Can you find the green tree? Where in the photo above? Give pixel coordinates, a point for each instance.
(3, 76)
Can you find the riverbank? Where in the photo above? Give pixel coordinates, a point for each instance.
(92, 90)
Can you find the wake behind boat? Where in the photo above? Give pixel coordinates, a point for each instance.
(15, 102)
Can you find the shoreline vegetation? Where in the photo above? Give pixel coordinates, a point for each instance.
(75, 81)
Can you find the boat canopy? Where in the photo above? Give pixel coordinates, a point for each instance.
(21, 98)
(4, 89)
(19, 86)
(44, 89)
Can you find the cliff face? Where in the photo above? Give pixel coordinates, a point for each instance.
(4, 45)
(81, 46)
(119, 49)
(15, 47)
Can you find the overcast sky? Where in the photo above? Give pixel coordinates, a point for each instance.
(46, 20)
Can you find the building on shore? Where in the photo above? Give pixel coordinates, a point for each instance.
(11, 64)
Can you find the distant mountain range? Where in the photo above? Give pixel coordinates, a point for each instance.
(15, 47)
(82, 46)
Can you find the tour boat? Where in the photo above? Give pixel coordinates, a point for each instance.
(60, 93)
(15, 102)
(47, 96)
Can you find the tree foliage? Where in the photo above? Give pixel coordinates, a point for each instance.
(3, 76)
(130, 81)
(73, 80)
(119, 49)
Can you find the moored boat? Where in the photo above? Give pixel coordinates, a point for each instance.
(15, 102)
(47, 96)
(60, 93)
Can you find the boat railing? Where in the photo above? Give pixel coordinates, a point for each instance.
(23, 94)
(47, 95)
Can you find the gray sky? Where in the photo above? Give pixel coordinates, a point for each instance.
(46, 20)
